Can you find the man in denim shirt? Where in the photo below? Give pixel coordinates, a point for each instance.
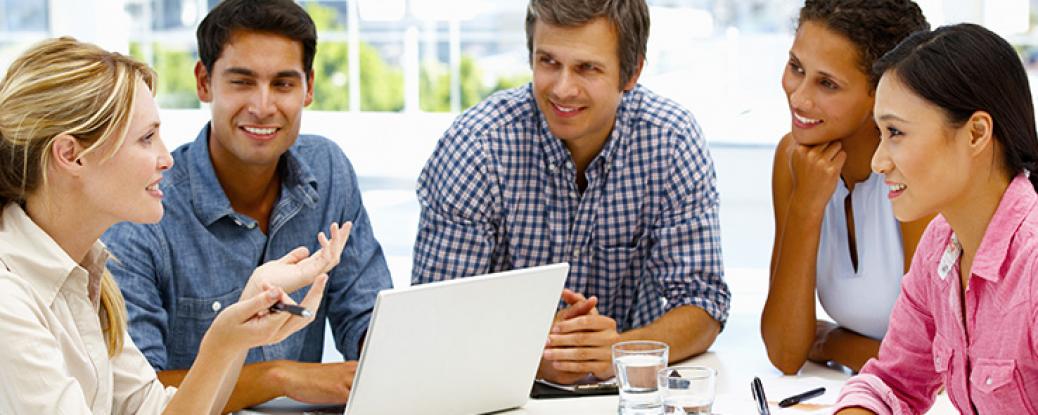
(248, 190)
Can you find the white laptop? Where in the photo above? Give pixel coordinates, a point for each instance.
(465, 346)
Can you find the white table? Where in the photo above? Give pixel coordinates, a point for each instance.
(738, 355)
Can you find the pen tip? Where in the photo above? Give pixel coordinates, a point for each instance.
(307, 313)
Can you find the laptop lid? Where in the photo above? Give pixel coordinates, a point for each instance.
(464, 346)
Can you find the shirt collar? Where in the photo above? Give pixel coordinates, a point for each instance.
(1017, 201)
(208, 198)
(32, 255)
(555, 150)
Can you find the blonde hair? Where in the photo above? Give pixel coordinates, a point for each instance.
(63, 86)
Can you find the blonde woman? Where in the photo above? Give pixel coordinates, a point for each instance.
(79, 152)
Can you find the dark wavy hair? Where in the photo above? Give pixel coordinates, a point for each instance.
(966, 68)
(280, 17)
(874, 26)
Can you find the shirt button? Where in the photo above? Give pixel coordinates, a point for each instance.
(551, 167)
(576, 252)
(217, 306)
(988, 382)
(238, 222)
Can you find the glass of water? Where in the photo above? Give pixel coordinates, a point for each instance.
(636, 364)
(688, 390)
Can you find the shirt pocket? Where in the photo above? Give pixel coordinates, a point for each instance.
(997, 387)
(193, 317)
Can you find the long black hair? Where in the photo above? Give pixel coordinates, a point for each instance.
(966, 68)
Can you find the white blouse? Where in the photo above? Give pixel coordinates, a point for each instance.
(53, 357)
(860, 300)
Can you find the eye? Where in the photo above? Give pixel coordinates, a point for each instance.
(893, 132)
(547, 60)
(146, 140)
(586, 67)
(240, 82)
(795, 67)
(828, 84)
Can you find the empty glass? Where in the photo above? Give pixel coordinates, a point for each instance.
(636, 364)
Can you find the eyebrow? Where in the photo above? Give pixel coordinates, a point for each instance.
(794, 58)
(540, 52)
(888, 117)
(248, 72)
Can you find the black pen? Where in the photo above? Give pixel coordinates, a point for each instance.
(800, 397)
(758, 395)
(290, 309)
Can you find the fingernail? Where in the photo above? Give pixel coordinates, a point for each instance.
(555, 329)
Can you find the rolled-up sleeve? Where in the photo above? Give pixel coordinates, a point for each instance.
(457, 236)
(686, 255)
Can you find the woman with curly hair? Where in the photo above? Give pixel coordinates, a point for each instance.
(835, 233)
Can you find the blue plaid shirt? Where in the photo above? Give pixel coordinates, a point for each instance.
(178, 274)
(499, 192)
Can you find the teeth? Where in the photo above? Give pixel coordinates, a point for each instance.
(260, 131)
(564, 109)
(805, 120)
(152, 187)
(897, 187)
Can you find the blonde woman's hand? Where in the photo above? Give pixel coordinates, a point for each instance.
(298, 268)
(250, 323)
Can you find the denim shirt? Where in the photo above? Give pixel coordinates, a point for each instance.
(178, 274)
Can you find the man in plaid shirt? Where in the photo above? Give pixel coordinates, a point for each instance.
(583, 166)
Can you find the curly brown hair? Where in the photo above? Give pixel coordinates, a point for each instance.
(874, 26)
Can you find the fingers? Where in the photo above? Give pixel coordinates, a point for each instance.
(295, 256)
(578, 354)
(831, 150)
(257, 305)
(585, 323)
(581, 308)
(311, 302)
(571, 297)
(595, 367)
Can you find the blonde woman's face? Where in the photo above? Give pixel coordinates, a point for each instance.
(125, 187)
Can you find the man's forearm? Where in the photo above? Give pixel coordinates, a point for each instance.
(689, 331)
(256, 384)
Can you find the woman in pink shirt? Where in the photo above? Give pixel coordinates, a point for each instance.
(958, 138)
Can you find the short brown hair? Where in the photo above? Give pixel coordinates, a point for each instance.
(280, 17)
(630, 19)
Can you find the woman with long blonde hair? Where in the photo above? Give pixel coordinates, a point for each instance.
(79, 152)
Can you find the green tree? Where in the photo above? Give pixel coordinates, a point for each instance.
(176, 74)
(382, 86)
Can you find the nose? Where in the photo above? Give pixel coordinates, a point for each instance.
(165, 160)
(800, 98)
(881, 162)
(262, 103)
(565, 86)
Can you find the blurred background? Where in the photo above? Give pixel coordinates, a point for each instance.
(392, 74)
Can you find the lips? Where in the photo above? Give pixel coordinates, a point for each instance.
(801, 121)
(260, 133)
(566, 111)
(153, 189)
(896, 189)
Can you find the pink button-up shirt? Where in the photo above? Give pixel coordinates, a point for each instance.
(991, 365)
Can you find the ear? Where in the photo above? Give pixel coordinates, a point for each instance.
(65, 152)
(980, 130)
(203, 83)
(309, 89)
(631, 83)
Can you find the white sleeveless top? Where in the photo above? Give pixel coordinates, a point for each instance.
(860, 301)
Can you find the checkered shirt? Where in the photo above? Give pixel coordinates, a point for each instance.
(499, 193)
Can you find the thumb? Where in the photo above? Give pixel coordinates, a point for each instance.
(295, 256)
